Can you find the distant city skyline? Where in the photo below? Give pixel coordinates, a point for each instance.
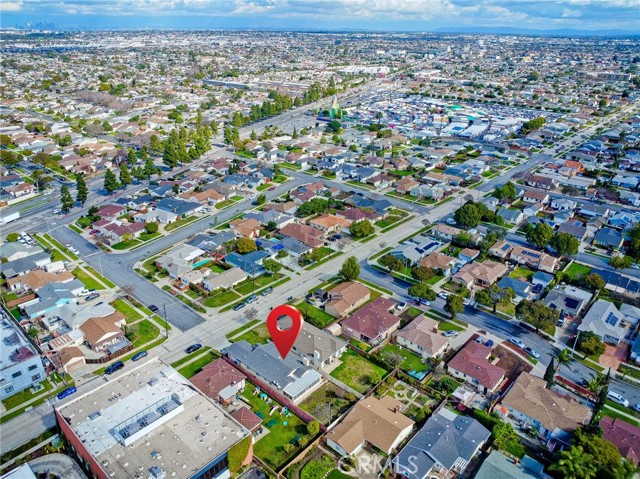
(394, 15)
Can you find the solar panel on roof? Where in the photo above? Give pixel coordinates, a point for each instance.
(612, 319)
(571, 303)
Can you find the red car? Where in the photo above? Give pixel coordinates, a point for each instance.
(272, 188)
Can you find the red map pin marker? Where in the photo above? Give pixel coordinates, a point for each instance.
(284, 338)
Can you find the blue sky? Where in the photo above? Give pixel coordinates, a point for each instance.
(421, 15)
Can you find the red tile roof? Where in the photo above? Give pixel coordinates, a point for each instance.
(472, 361)
(216, 376)
(247, 418)
(373, 319)
(625, 436)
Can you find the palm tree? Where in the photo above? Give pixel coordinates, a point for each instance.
(574, 463)
(564, 358)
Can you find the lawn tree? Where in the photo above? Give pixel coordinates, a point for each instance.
(391, 262)
(246, 245)
(271, 265)
(422, 291)
(550, 373)
(110, 181)
(261, 200)
(422, 273)
(81, 189)
(313, 427)
(454, 305)
(149, 168)
(350, 269)
(594, 282)
(540, 235)
(131, 156)
(151, 227)
(620, 262)
(467, 215)
(574, 463)
(125, 175)
(508, 190)
(41, 179)
(361, 229)
(537, 314)
(590, 344)
(12, 237)
(565, 244)
(66, 199)
(564, 358)
(138, 172)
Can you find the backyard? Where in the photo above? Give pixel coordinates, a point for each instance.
(142, 332)
(521, 272)
(358, 372)
(314, 315)
(409, 360)
(576, 271)
(328, 399)
(282, 429)
(88, 281)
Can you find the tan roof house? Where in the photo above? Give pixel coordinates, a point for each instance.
(481, 274)
(330, 223)
(71, 358)
(372, 421)
(346, 297)
(372, 323)
(438, 261)
(249, 228)
(36, 279)
(422, 337)
(99, 333)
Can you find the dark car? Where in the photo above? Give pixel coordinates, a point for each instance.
(153, 308)
(67, 392)
(489, 343)
(252, 298)
(239, 306)
(92, 296)
(537, 288)
(117, 366)
(139, 355)
(193, 348)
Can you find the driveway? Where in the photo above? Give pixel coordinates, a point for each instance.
(614, 355)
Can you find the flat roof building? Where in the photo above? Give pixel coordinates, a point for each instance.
(150, 422)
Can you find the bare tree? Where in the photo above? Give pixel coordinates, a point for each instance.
(128, 289)
(251, 314)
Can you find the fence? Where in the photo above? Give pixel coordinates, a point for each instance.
(108, 357)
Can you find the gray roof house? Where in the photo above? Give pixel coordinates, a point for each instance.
(519, 287)
(53, 296)
(567, 299)
(604, 320)
(499, 466)
(447, 442)
(226, 279)
(512, 217)
(290, 376)
(211, 242)
(609, 238)
(23, 265)
(317, 347)
(177, 206)
(294, 247)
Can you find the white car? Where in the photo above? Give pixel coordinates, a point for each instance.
(443, 295)
(517, 342)
(617, 398)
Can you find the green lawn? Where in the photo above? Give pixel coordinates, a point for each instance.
(330, 257)
(255, 284)
(263, 187)
(99, 276)
(449, 326)
(521, 272)
(409, 360)
(270, 448)
(180, 222)
(629, 371)
(236, 332)
(336, 474)
(388, 221)
(317, 404)
(35, 403)
(314, 315)
(258, 335)
(142, 333)
(216, 268)
(280, 178)
(577, 271)
(75, 228)
(437, 278)
(317, 468)
(149, 236)
(88, 281)
(189, 357)
(357, 372)
(126, 244)
(221, 299)
(26, 395)
(196, 366)
(126, 309)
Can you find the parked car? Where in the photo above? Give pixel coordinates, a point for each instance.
(290, 298)
(337, 236)
(532, 352)
(400, 306)
(636, 407)
(617, 398)
(117, 366)
(424, 302)
(266, 291)
(239, 306)
(153, 308)
(479, 340)
(92, 296)
(561, 321)
(443, 295)
(272, 188)
(450, 333)
(252, 298)
(140, 355)
(489, 343)
(517, 342)
(67, 392)
(193, 348)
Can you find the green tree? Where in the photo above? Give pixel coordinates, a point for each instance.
(271, 265)
(12, 237)
(454, 305)
(575, 463)
(313, 427)
(422, 291)
(565, 244)
(9, 158)
(125, 175)
(594, 282)
(549, 373)
(534, 124)
(66, 199)
(537, 314)
(261, 200)
(494, 295)
(540, 235)
(590, 344)
(467, 215)
(621, 262)
(333, 126)
(82, 192)
(350, 269)
(422, 274)
(391, 262)
(110, 181)
(361, 229)
(149, 167)
(151, 227)
(508, 190)
(246, 245)
(131, 156)
(41, 179)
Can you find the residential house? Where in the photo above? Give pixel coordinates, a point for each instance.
(481, 274)
(532, 209)
(446, 444)
(412, 251)
(609, 238)
(471, 364)
(533, 196)
(346, 297)
(71, 358)
(15, 250)
(211, 242)
(575, 228)
(423, 337)
(372, 323)
(499, 466)
(604, 320)
(308, 235)
(553, 416)
(119, 231)
(541, 278)
(179, 207)
(592, 210)
(374, 422)
(270, 216)
(111, 211)
(36, 279)
(625, 436)
(154, 215)
(317, 347)
(439, 262)
(245, 228)
(102, 332)
(534, 259)
(220, 381)
(541, 182)
(226, 279)
(444, 231)
(250, 263)
(250, 420)
(512, 217)
(53, 296)
(25, 264)
(567, 300)
(563, 204)
(288, 207)
(329, 223)
(522, 289)
(289, 376)
(179, 260)
(467, 255)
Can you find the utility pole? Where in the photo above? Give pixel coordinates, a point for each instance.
(166, 321)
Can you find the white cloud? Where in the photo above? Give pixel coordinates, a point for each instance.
(11, 6)
(569, 13)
